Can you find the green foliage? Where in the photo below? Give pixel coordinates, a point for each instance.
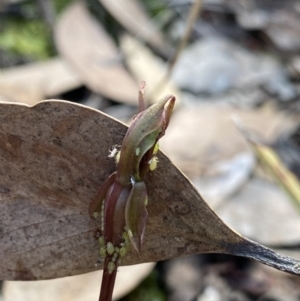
(60, 5)
(148, 290)
(28, 38)
(154, 7)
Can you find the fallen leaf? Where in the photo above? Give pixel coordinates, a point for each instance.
(224, 178)
(144, 64)
(93, 54)
(294, 66)
(279, 21)
(216, 137)
(140, 25)
(263, 212)
(283, 31)
(273, 165)
(288, 180)
(223, 66)
(54, 157)
(75, 288)
(34, 82)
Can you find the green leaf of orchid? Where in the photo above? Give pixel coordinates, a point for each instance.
(136, 214)
(122, 199)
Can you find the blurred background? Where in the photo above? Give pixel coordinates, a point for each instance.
(234, 66)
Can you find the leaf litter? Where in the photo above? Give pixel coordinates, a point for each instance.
(54, 157)
(253, 95)
(94, 55)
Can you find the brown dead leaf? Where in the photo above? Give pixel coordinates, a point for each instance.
(88, 48)
(54, 157)
(144, 64)
(134, 18)
(268, 157)
(34, 82)
(262, 211)
(207, 134)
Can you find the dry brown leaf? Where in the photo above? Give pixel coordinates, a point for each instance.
(144, 64)
(133, 17)
(262, 211)
(274, 166)
(54, 157)
(34, 82)
(206, 133)
(76, 288)
(88, 48)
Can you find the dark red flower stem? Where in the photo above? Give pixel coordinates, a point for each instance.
(108, 282)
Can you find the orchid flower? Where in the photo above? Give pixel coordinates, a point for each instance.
(121, 201)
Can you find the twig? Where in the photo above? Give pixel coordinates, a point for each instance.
(192, 17)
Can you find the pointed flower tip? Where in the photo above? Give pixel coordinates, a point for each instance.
(136, 244)
(172, 100)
